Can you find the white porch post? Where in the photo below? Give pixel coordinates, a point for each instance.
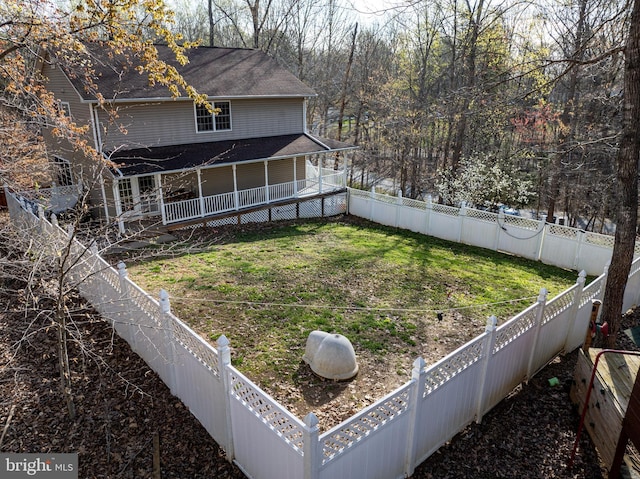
(236, 198)
(199, 173)
(319, 174)
(116, 195)
(163, 213)
(295, 177)
(266, 181)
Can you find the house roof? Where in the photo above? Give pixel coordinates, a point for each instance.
(164, 159)
(214, 71)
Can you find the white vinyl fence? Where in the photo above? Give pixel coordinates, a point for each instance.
(552, 244)
(388, 439)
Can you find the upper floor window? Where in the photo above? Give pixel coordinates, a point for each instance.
(62, 171)
(220, 121)
(65, 108)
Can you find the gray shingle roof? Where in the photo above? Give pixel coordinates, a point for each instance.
(214, 71)
(162, 159)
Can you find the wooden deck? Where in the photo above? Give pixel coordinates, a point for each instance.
(609, 398)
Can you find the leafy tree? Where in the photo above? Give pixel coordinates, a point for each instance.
(484, 181)
(33, 31)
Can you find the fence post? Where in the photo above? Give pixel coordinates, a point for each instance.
(637, 295)
(41, 218)
(576, 260)
(170, 352)
(124, 301)
(462, 213)
(97, 278)
(311, 447)
(372, 201)
(542, 225)
(542, 301)
(500, 226)
(428, 211)
(398, 208)
(224, 360)
(418, 377)
(603, 285)
(489, 342)
(574, 308)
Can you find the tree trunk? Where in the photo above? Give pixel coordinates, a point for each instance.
(627, 176)
(345, 82)
(470, 84)
(211, 24)
(567, 119)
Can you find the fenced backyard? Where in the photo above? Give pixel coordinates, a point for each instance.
(549, 243)
(389, 438)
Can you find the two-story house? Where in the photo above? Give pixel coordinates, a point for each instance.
(179, 161)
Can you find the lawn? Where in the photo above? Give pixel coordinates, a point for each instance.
(266, 288)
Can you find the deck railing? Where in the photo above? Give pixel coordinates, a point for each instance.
(177, 211)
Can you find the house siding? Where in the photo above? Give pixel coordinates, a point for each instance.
(57, 82)
(250, 175)
(180, 184)
(301, 165)
(173, 122)
(281, 171)
(217, 180)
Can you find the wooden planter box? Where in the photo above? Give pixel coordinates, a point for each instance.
(612, 386)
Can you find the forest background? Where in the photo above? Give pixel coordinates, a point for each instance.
(487, 102)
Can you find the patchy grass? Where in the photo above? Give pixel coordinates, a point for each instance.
(267, 287)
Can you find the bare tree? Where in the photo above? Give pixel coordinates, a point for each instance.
(627, 176)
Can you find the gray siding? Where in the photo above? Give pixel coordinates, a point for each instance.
(281, 171)
(180, 184)
(173, 123)
(58, 83)
(217, 180)
(250, 175)
(301, 168)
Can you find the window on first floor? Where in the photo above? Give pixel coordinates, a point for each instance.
(125, 191)
(148, 194)
(62, 171)
(218, 121)
(139, 194)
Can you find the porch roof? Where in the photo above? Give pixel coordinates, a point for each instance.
(163, 159)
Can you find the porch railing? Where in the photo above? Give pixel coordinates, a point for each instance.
(185, 210)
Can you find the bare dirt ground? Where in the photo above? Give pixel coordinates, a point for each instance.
(122, 404)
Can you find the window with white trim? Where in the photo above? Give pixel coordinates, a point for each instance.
(148, 194)
(65, 108)
(62, 171)
(125, 191)
(218, 121)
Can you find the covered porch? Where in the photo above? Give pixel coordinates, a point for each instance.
(191, 182)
